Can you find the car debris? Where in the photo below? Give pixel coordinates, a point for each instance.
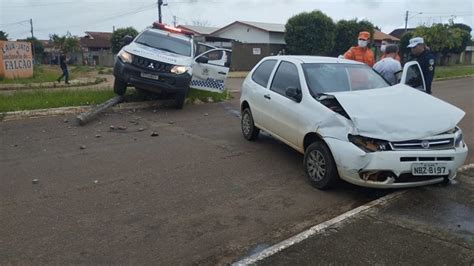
(35, 181)
(82, 147)
(154, 134)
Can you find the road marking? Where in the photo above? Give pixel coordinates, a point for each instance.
(317, 229)
(325, 225)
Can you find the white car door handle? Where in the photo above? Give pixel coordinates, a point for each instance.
(267, 96)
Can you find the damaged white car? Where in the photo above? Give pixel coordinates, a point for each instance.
(350, 123)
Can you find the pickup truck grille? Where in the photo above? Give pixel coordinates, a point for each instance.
(431, 144)
(151, 65)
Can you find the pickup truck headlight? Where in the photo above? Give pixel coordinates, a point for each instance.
(369, 144)
(125, 57)
(179, 69)
(458, 139)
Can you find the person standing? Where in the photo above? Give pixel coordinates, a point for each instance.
(384, 45)
(389, 66)
(63, 65)
(361, 52)
(425, 58)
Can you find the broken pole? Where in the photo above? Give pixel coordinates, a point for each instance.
(86, 117)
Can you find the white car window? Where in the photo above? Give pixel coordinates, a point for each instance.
(286, 77)
(332, 77)
(261, 75)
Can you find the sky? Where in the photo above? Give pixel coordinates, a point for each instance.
(78, 16)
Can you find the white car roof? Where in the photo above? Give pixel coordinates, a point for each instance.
(172, 34)
(312, 59)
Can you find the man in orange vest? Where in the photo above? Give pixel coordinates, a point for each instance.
(361, 52)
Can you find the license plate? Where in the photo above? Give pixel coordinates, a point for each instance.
(149, 76)
(433, 169)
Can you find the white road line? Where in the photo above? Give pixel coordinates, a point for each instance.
(323, 226)
(317, 229)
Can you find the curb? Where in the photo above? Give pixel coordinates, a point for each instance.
(455, 77)
(38, 113)
(50, 85)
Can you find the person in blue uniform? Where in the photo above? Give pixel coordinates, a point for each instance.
(63, 65)
(425, 58)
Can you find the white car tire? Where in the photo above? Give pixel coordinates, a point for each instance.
(249, 130)
(320, 166)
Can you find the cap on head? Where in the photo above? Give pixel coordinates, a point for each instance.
(415, 41)
(364, 35)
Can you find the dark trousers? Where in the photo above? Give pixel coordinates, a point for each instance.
(65, 75)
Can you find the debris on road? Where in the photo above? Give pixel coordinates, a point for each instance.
(84, 118)
(82, 147)
(112, 127)
(65, 120)
(141, 129)
(98, 136)
(122, 128)
(96, 181)
(171, 122)
(206, 114)
(35, 181)
(154, 134)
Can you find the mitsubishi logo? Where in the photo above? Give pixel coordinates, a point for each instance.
(151, 65)
(425, 144)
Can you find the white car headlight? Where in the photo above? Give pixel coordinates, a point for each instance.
(458, 138)
(125, 57)
(179, 69)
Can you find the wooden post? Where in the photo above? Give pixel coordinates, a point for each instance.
(86, 117)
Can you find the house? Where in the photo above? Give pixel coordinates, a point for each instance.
(252, 41)
(398, 33)
(203, 34)
(96, 48)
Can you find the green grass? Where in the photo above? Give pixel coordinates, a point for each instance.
(40, 74)
(204, 95)
(43, 99)
(454, 71)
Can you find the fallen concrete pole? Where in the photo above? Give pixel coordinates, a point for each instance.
(86, 117)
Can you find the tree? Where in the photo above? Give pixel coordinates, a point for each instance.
(465, 32)
(441, 38)
(404, 41)
(66, 43)
(117, 36)
(3, 36)
(37, 47)
(310, 33)
(347, 32)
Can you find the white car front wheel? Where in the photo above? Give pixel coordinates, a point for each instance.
(320, 166)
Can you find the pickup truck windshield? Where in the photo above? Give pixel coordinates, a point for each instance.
(331, 77)
(165, 43)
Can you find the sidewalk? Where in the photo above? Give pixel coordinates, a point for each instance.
(426, 226)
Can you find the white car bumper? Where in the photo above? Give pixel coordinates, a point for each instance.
(391, 169)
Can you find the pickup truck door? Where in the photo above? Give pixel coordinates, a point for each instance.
(210, 70)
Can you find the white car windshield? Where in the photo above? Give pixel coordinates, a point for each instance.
(165, 43)
(337, 77)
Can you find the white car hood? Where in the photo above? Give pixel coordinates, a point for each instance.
(398, 113)
(157, 55)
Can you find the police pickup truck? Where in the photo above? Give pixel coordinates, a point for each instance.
(163, 59)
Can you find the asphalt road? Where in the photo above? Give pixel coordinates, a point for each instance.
(197, 193)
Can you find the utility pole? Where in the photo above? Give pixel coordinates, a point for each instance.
(160, 3)
(32, 40)
(406, 21)
(174, 21)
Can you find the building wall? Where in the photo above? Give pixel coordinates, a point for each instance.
(277, 38)
(244, 56)
(245, 34)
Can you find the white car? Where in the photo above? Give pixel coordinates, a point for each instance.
(351, 124)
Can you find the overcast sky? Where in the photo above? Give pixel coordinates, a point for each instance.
(78, 16)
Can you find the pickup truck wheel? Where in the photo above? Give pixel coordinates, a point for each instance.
(120, 87)
(180, 99)
(320, 166)
(249, 130)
